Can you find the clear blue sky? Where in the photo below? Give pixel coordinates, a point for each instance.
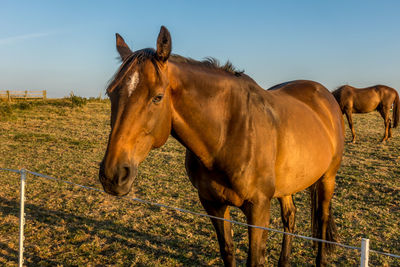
(65, 46)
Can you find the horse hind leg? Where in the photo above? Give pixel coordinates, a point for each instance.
(384, 111)
(323, 223)
(351, 125)
(288, 211)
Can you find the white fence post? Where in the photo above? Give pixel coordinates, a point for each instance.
(364, 252)
(22, 219)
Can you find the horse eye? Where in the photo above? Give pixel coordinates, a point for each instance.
(158, 98)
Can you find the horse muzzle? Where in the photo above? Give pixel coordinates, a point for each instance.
(118, 180)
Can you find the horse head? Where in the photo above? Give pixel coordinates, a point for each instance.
(140, 112)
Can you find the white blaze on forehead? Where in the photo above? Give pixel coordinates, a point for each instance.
(133, 82)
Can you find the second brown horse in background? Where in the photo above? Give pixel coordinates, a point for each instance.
(378, 97)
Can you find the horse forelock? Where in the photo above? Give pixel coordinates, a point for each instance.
(135, 59)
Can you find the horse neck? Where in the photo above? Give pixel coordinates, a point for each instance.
(201, 105)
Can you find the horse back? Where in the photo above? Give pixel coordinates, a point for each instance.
(312, 94)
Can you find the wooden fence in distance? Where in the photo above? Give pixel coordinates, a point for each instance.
(9, 95)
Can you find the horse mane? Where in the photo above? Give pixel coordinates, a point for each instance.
(208, 62)
(339, 87)
(150, 54)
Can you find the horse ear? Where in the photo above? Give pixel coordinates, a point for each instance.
(164, 44)
(123, 49)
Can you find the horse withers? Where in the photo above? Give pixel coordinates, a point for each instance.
(244, 145)
(379, 97)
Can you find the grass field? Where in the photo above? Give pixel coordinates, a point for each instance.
(70, 226)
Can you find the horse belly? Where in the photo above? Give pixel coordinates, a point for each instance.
(365, 104)
(299, 173)
(304, 156)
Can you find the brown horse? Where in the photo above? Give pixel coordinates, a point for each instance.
(378, 97)
(244, 145)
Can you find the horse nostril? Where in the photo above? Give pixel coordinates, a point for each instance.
(127, 171)
(124, 175)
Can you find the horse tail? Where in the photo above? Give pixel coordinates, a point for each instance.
(331, 231)
(396, 110)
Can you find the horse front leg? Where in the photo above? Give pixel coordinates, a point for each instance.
(288, 212)
(223, 229)
(258, 214)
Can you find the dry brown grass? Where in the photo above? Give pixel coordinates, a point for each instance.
(66, 225)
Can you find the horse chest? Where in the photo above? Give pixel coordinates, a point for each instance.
(214, 185)
(214, 190)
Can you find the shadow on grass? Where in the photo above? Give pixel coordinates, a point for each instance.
(11, 255)
(106, 229)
